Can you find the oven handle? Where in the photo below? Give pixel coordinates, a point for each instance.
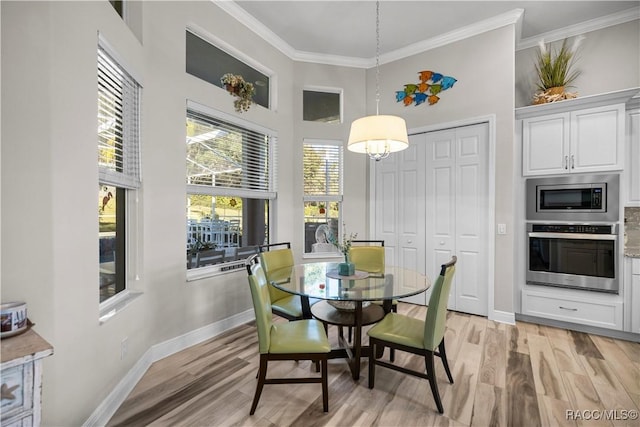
(576, 236)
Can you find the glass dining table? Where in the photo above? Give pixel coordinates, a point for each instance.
(348, 300)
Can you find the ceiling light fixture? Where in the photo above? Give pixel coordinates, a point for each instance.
(378, 135)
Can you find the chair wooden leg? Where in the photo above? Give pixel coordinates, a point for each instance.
(428, 359)
(372, 363)
(392, 351)
(325, 386)
(262, 376)
(317, 362)
(443, 357)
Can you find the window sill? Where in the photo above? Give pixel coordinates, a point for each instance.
(116, 304)
(214, 270)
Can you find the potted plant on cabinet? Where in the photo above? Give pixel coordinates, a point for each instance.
(555, 71)
(237, 86)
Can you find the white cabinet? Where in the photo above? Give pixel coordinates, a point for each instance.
(21, 377)
(604, 311)
(585, 140)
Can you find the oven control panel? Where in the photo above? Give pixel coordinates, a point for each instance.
(573, 228)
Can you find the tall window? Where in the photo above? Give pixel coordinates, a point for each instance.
(322, 170)
(230, 186)
(119, 168)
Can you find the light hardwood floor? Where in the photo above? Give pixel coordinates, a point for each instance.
(522, 375)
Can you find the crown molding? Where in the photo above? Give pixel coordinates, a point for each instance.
(498, 21)
(581, 28)
(513, 17)
(256, 26)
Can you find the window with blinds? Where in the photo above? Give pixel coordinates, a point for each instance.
(322, 169)
(322, 172)
(224, 158)
(230, 177)
(119, 171)
(118, 124)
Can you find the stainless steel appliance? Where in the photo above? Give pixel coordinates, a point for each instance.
(580, 256)
(574, 198)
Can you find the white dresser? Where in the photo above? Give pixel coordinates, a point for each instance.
(21, 378)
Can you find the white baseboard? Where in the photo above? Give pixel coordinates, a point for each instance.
(110, 405)
(503, 317)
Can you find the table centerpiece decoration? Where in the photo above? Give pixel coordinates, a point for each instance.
(346, 268)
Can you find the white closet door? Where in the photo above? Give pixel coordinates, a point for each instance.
(411, 226)
(431, 204)
(440, 166)
(399, 210)
(457, 212)
(471, 219)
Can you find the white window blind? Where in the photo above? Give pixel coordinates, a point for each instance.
(322, 170)
(228, 159)
(118, 124)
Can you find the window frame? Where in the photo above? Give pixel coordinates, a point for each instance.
(325, 89)
(335, 198)
(270, 195)
(128, 181)
(241, 57)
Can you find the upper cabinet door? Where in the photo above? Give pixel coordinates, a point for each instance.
(545, 144)
(597, 139)
(586, 140)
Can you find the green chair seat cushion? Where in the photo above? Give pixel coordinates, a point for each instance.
(300, 336)
(399, 329)
(290, 305)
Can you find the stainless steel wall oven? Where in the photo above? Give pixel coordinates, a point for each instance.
(581, 256)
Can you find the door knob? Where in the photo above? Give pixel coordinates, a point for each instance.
(441, 242)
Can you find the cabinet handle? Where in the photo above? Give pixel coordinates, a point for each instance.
(573, 158)
(566, 162)
(567, 308)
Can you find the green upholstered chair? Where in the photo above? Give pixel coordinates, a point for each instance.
(301, 340)
(276, 261)
(425, 338)
(368, 255)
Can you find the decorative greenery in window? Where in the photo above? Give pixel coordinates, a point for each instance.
(236, 86)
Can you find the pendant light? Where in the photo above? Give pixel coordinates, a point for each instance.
(378, 135)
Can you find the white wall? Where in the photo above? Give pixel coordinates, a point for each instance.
(609, 60)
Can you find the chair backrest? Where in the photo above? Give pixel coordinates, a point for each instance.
(434, 324)
(261, 304)
(273, 260)
(370, 257)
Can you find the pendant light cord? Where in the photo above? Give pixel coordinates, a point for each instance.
(377, 57)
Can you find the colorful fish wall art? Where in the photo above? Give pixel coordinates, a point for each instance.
(431, 84)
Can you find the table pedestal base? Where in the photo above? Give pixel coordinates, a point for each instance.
(356, 319)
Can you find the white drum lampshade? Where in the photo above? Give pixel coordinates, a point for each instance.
(378, 136)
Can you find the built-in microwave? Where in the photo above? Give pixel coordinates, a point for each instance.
(574, 198)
